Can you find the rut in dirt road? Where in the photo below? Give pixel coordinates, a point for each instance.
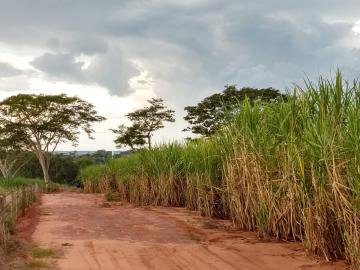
(87, 235)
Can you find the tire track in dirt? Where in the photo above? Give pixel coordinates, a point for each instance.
(91, 251)
(113, 259)
(122, 237)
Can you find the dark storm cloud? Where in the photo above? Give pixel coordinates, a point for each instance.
(190, 47)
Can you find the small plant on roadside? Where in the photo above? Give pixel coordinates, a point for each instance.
(112, 196)
(39, 252)
(37, 264)
(195, 237)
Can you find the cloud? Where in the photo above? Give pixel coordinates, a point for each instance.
(7, 70)
(112, 71)
(80, 44)
(59, 66)
(109, 70)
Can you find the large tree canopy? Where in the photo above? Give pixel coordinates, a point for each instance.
(209, 115)
(40, 122)
(145, 122)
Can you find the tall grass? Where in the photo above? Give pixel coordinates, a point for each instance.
(290, 170)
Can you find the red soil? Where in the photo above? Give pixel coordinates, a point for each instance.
(26, 224)
(87, 235)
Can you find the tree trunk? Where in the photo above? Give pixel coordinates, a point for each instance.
(132, 147)
(46, 176)
(44, 162)
(149, 141)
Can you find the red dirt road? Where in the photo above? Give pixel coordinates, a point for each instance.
(87, 235)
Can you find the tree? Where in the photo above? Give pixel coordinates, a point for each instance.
(84, 161)
(38, 123)
(145, 122)
(64, 170)
(101, 155)
(129, 136)
(209, 115)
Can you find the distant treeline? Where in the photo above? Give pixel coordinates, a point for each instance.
(64, 168)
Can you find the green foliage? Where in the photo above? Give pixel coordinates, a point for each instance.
(145, 122)
(90, 177)
(49, 118)
(129, 136)
(63, 169)
(101, 156)
(7, 184)
(84, 161)
(209, 115)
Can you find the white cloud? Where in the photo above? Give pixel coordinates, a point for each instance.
(356, 28)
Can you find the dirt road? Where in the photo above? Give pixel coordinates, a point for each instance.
(88, 235)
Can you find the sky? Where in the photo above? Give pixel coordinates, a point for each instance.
(117, 54)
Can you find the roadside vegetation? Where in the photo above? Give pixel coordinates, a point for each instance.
(12, 183)
(8, 185)
(288, 169)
